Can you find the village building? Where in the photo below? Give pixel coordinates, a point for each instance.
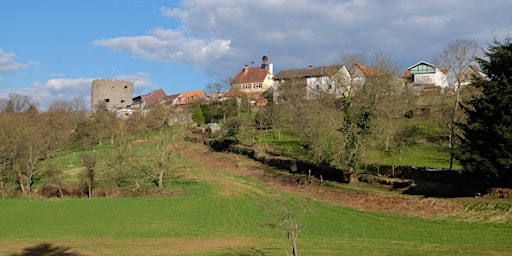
(334, 80)
(424, 76)
(468, 75)
(150, 100)
(254, 80)
(189, 98)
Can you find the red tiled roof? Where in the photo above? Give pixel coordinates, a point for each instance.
(250, 75)
(366, 70)
(190, 94)
(153, 97)
(232, 93)
(189, 97)
(250, 95)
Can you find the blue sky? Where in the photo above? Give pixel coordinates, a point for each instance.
(52, 50)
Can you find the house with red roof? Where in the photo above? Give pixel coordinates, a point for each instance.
(151, 99)
(254, 79)
(360, 73)
(189, 98)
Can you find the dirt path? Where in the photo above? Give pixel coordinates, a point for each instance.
(400, 204)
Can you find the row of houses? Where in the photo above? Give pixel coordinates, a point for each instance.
(254, 81)
(420, 77)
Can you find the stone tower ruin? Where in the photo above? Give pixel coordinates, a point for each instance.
(111, 94)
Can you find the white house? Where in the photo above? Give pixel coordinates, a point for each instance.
(334, 80)
(254, 79)
(425, 76)
(467, 76)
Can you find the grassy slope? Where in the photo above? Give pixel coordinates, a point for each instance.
(222, 214)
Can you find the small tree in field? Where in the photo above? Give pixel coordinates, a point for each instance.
(288, 215)
(486, 146)
(89, 162)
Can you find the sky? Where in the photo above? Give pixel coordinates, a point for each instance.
(52, 50)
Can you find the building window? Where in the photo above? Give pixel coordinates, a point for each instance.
(107, 100)
(247, 86)
(122, 101)
(423, 79)
(258, 85)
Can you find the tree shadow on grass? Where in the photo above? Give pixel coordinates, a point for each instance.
(245, 252)
(46, 249)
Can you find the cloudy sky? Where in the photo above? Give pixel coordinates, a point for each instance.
(52, 50)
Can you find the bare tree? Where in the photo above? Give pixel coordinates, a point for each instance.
(219, 86)
(89, 161)
(456, 57)
(20, 103)
(288, 215)
(167, 140)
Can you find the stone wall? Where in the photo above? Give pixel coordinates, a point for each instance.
(114, 93)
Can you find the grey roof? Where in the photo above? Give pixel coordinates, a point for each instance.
(307, 72)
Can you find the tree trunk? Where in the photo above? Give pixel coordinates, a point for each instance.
(295, 252)
(2, 187)
(161, 179)
(89, 186)
(20, 182)
(452, 128)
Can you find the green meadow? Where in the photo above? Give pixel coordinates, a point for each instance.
(213, 212)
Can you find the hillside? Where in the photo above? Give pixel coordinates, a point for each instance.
(226, 204)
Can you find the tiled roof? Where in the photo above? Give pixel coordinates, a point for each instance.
(188, 97)
(153, 97)
(190, 94)
(366, 70)
(251, 75)
(307, 72)
(170, 98)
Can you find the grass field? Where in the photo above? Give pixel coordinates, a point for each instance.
(216, 211)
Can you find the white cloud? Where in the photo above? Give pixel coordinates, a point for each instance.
(173, 12)
(221, 36)
(8, 64)
(169, 45)
(69, 88)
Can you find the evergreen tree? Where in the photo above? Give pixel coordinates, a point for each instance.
(198, 115)
(486, 146)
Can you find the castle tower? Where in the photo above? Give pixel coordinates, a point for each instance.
(111, 94)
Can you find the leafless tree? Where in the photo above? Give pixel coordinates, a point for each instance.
(20, 103)
(219, 86)
(89, 161)
(289, 215)
(456, 57)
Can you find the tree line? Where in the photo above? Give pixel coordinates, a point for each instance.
(32, 142)
(473, 124)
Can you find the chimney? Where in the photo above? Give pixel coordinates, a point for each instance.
(264, 62)
(246, 68)
(271, 68)
(310, 66)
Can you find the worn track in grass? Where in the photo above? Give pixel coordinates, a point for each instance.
(346, 195)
